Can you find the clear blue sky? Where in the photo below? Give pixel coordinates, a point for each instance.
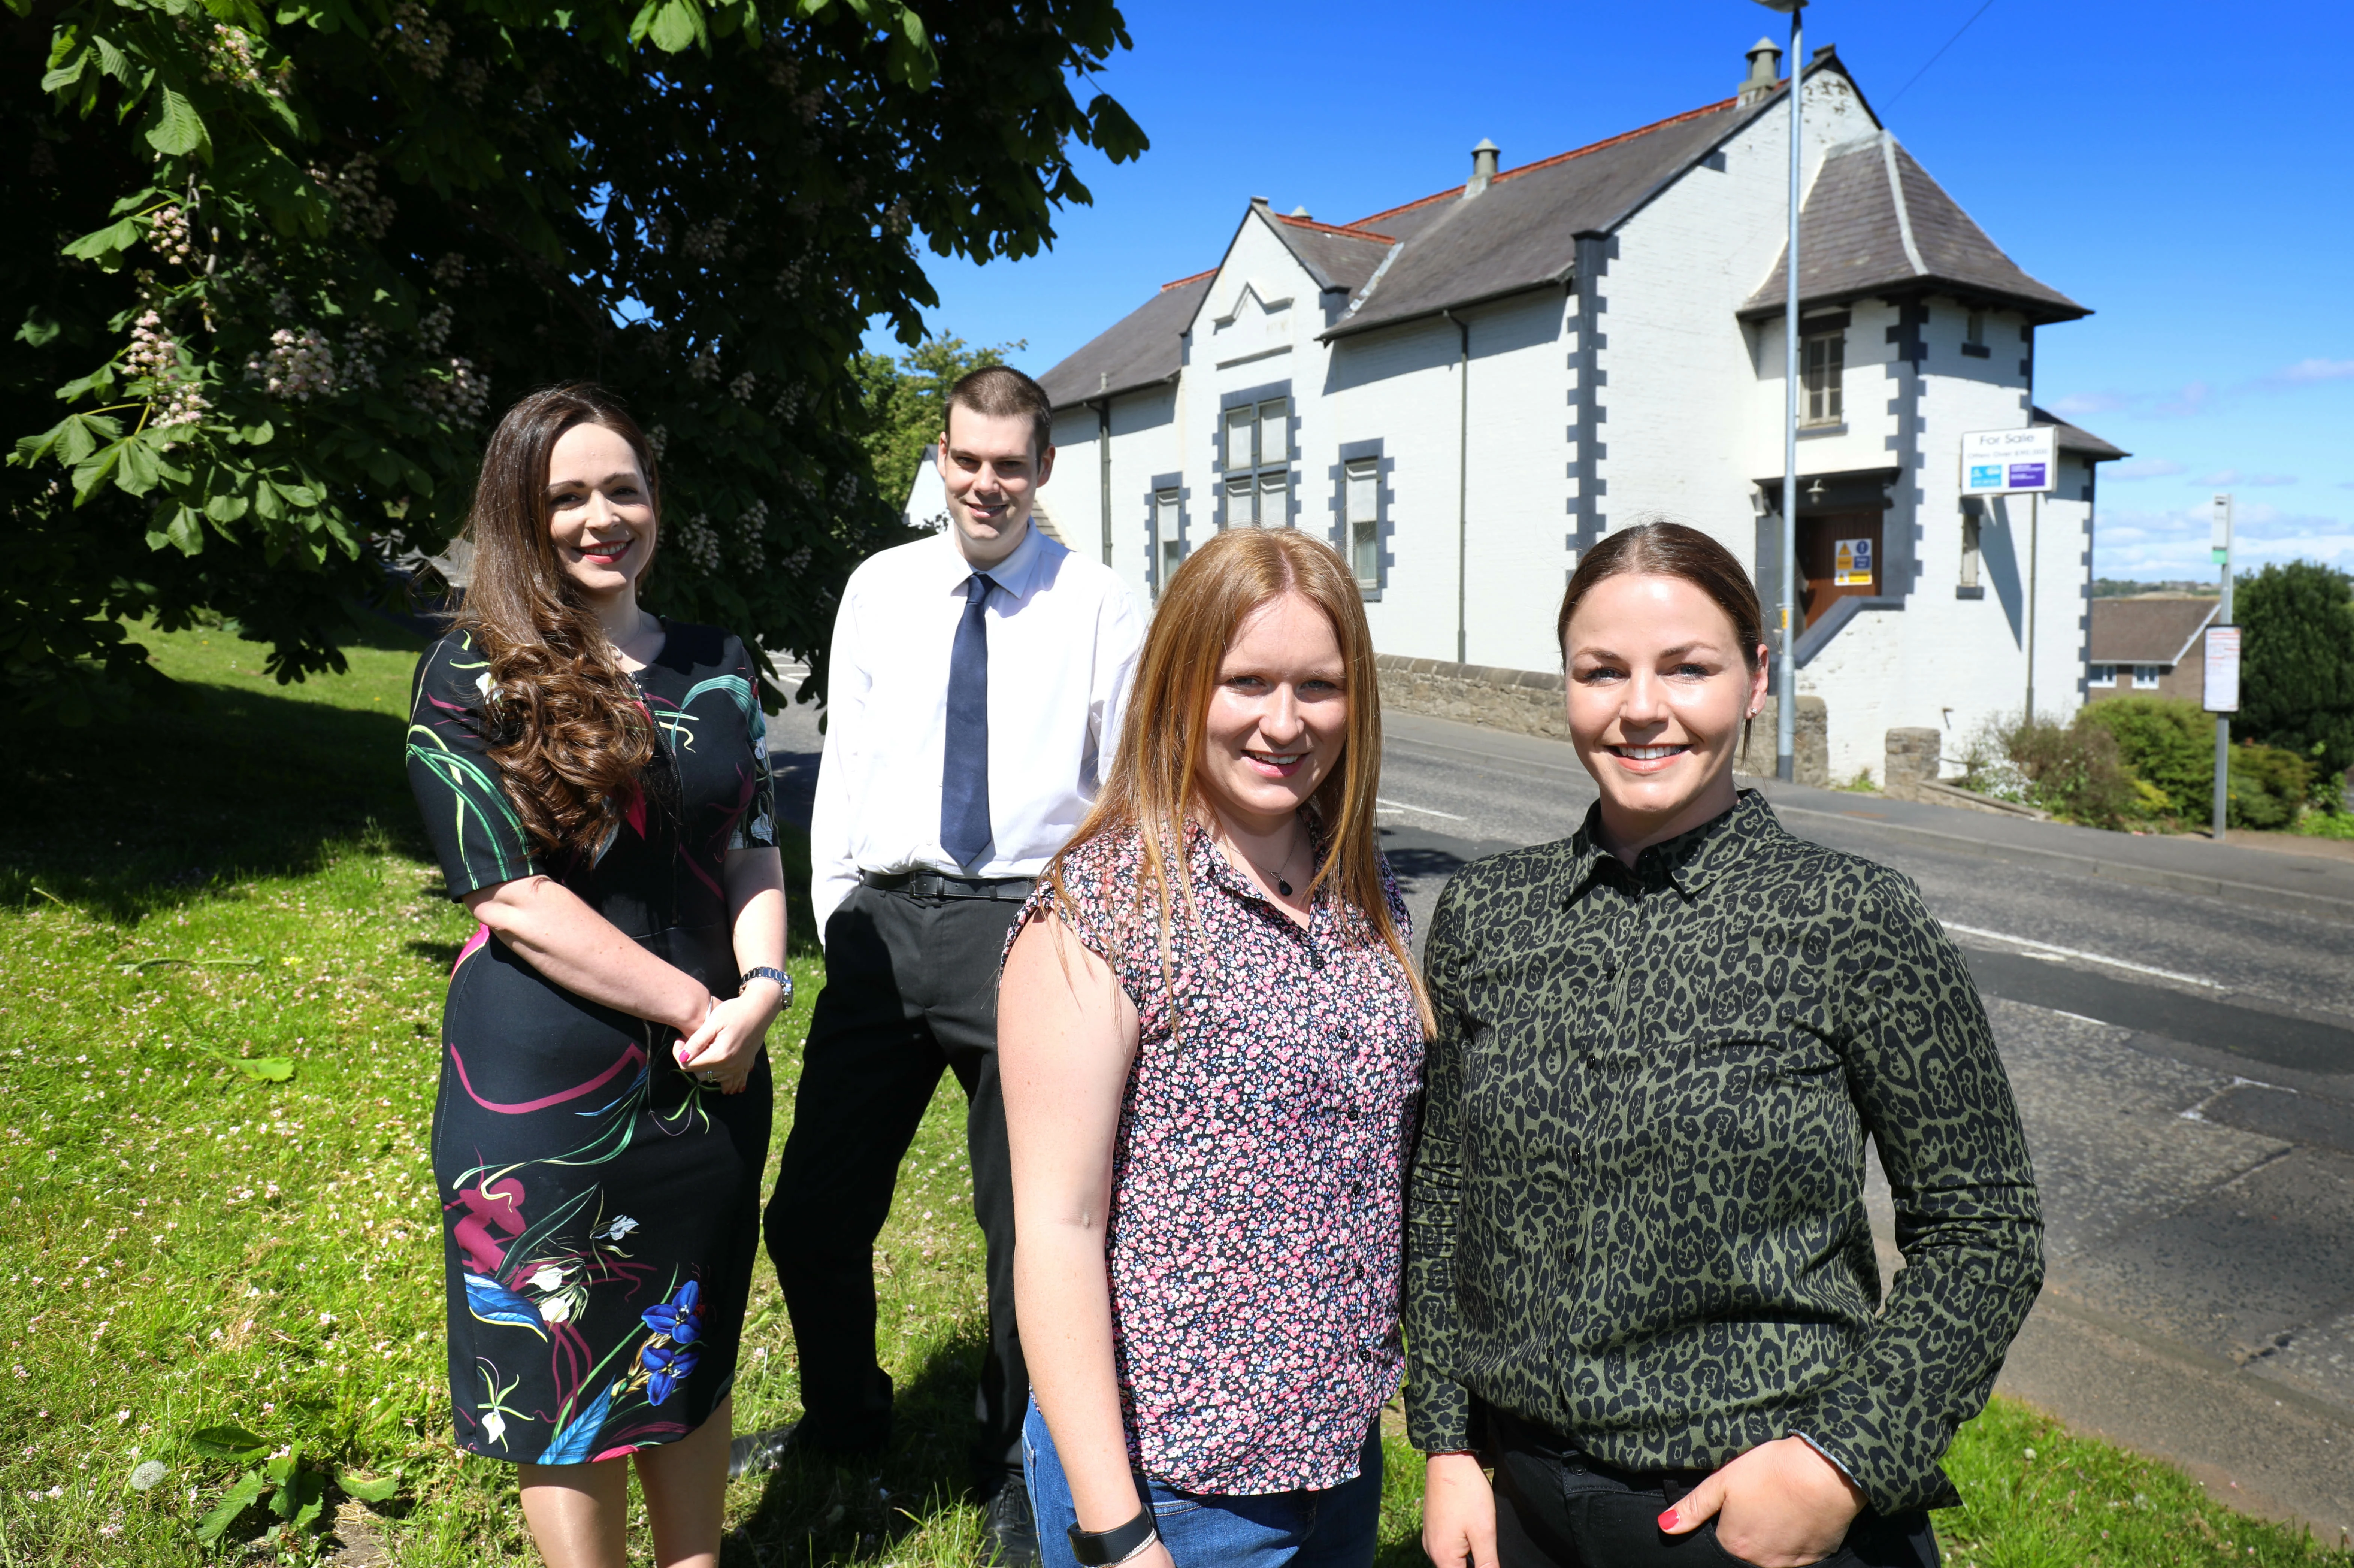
(2181, 169)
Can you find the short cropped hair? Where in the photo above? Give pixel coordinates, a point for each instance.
(999, 392)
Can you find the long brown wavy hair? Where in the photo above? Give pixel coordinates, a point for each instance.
(565, 722)
(1155, 783)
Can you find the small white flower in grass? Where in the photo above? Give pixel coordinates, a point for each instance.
(54, 1493)
(146, 1476)
(120, 1417)
(326, 1318)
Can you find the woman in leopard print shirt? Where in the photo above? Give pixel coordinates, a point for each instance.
(1639, 1274)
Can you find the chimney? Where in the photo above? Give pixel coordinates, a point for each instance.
(1765, 72)
(1483, 167)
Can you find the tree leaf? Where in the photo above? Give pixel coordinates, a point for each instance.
(240, 1496)
(257, 434)
(228, 1441)
(110, 59)
(178, 129)
(105, 246)
(64, 76)
(186, 531)
(226, 506)
(91, 473)
(678, 26)
(138, 471)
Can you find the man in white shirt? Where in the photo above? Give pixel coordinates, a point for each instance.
(975, 693)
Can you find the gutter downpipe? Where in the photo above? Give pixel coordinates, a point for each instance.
(1462, 490)
(1786, 711)
(1103, 448)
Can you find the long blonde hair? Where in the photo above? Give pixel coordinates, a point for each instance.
(1153, 785)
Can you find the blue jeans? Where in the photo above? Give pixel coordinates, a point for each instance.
(1335, 1528)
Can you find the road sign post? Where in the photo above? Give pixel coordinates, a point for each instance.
(2222, 670)
(2016, 463)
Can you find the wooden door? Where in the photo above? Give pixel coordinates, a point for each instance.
(1839, 557)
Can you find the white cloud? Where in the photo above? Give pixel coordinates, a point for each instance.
(2172, 544)
(2305, 371)
(2145, 468)
(2233, 476)
(2077, 403)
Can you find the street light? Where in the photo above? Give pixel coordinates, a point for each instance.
(1785, 708)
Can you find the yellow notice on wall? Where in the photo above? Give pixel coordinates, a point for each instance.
(1852, 564)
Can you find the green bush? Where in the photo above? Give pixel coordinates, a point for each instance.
(2296, 676)
(2267, 788)
(2076, 772)
(2170, 744)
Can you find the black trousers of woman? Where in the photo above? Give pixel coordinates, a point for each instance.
(1556, 1507)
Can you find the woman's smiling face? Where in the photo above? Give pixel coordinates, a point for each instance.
(1659, 688)
(601, 515)
(1278, 716)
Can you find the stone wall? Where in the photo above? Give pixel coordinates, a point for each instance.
(1532, 702)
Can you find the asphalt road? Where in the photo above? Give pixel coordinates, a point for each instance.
(2185, 1069)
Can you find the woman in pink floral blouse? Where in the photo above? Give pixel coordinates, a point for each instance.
(1211, 1039)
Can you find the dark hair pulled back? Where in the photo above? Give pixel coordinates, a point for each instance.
(1658, 547)
(564, 721)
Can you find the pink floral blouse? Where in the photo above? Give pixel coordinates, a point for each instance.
(1256, 1219)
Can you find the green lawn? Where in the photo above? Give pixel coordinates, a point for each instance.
(189, 1241)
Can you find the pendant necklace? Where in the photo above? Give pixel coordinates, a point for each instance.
(1281, 886)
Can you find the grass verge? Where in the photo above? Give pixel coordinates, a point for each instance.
(194, 901)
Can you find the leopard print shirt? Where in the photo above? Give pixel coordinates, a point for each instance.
(1635, 1216)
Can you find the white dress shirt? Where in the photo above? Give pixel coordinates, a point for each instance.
(1064, 634)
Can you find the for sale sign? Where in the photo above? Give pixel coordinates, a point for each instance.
(2010, 462)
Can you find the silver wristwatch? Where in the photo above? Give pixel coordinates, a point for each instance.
(768, 972)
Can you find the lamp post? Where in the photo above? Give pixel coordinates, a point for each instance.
(1785, 707)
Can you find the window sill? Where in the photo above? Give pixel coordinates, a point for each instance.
(1823, 428)
(1371, 593)
(1977, 592)
(1976, 351)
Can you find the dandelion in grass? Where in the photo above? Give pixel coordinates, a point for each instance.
(148, 1476)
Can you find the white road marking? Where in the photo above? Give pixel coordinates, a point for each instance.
(2080, 1018)
(2050, 949)
(1426, 811)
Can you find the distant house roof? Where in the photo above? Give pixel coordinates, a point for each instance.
(1874, 222)
(1140, 349)
(2157, 628)
(2075, 438)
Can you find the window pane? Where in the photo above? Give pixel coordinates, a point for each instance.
(1364, 478)
(1240, 494)
(1239, 425)
(1173, 555)
(1834, 377)
(1366, 553)
(1164, 518)
(1273, 488)
(1275, 431)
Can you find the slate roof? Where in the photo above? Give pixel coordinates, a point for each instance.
(1337, 258)
(1140, 349)
(2147, 631)
(1874, 222)
(1521, 233)
(2071, 437)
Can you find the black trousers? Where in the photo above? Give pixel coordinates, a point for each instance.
(1556, 1507)
(911, 990)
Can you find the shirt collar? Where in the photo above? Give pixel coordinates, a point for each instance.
(1690, 860)
(1019, 574)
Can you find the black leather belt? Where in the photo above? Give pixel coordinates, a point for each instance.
(932, 884)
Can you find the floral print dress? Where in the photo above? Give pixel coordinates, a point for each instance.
(600, 1207)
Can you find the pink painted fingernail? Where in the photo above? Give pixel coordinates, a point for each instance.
(1667, 1520)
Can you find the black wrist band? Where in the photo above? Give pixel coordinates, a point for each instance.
(1098, 1548)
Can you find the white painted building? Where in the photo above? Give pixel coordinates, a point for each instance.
(1464, 392)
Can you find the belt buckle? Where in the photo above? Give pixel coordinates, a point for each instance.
(925, 884)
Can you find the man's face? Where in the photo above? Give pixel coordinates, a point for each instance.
(993, 478)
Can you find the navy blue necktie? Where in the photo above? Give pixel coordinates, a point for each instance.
(964, 766)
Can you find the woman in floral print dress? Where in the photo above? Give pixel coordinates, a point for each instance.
(1211, 1039)
(596, 782)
